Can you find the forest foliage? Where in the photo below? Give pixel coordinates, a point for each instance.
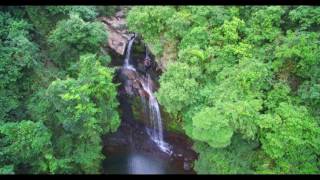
(244, 81)
(57, 97)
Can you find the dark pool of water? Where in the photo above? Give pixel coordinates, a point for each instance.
(138, 163)
(130, 150)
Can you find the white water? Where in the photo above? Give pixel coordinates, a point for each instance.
(155, 117)
(128, 53)
(154, 112)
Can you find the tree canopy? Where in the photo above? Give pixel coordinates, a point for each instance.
(240, 76)
(57, 97)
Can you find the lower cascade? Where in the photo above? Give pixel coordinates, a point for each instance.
(151, 105)
(154, 116)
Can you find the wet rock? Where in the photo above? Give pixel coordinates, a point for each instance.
(132, 82)
(114, 141)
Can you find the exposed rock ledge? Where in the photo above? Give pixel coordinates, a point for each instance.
(118, 36)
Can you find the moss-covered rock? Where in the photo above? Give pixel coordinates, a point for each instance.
(171, 123)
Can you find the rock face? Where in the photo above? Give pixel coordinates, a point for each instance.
(118, 36)
(131, 88)
(132, 82)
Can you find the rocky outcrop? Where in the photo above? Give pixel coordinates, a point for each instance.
(132, 82)
(118, 35)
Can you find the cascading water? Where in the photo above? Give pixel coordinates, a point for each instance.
(128, 53)
(155, 117)
(151, 106)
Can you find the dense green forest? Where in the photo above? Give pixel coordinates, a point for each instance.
(243, 82)
(57, 95)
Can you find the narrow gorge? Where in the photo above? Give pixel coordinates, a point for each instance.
(142, 145)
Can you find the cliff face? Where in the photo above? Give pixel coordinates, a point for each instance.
(118, 37)
(117, 34)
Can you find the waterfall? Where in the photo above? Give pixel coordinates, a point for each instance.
(128, 54)
(151, 106)
(154, 116)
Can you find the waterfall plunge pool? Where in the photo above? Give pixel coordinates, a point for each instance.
(138, 163)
